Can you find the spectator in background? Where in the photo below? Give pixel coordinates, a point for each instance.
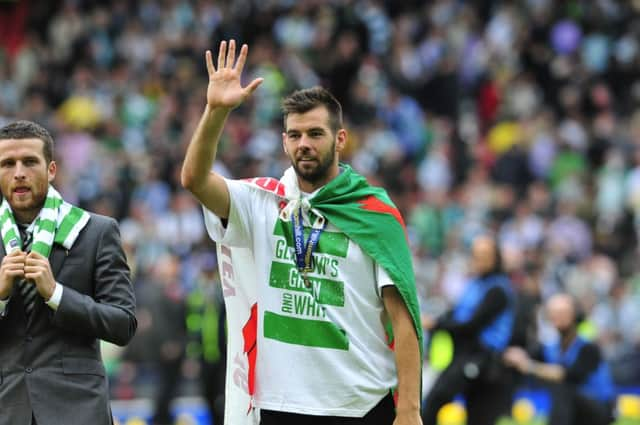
(206, 335)
(481, 325)
(581, 387)
(618, 320)
(160, 344)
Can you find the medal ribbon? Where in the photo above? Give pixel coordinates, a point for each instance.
(304, 250)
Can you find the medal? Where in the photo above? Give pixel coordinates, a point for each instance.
(304, 249)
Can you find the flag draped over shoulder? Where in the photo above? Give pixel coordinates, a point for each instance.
(369, 218)
(364, 213)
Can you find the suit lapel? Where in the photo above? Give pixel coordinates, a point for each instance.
(56, 258)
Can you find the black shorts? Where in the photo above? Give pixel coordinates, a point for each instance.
(382, 414)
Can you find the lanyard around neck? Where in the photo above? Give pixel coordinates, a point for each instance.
(304, 249)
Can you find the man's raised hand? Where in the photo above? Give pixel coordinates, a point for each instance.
(225, 89)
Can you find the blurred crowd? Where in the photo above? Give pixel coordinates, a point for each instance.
(517, 117)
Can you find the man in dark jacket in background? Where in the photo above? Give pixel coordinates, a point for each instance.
(481, 325)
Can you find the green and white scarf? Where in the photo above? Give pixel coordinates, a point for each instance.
(58, 222)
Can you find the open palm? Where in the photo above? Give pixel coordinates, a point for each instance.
(225, 89)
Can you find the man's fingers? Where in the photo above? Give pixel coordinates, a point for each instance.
(12, 269)
(29, 271)
(32, 277)
(221, 54)
(35, 262)
(231, 54)
(18, 258)
(242, 58)
(253, 86)
(209, 61)
(32, 271)
(14, 260)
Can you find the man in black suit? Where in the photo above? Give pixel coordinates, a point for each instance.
(64, 286)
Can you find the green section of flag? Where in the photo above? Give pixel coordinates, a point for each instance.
(331, 243)
(286, 276)
(367, 216)
(310, 333)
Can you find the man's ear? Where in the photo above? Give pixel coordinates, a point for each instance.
(51, 171)
(341, 139)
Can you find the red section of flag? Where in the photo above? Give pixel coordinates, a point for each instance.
(226, 251)
(249, 334)
(270, 184)
(371, 203)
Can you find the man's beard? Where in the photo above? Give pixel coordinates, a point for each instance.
(36, 204)
(320, 171)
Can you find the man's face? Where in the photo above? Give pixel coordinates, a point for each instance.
(25, 176)
(483, 255)
(311, 146)
(560, 311)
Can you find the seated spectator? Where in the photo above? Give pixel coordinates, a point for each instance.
(573, 369)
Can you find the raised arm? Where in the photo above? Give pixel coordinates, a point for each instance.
(224, 93)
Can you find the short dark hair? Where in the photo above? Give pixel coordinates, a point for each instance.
(301, 101)
(24, 129)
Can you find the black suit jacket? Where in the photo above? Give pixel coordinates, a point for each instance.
(52, 366)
